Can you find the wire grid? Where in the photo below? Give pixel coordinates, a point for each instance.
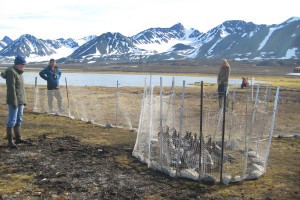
(247, 132)
(177, 150)
(97, 106)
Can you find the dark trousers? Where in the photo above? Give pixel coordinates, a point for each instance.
(222, 88)
(56, 93)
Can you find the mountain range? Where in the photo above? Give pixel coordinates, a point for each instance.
(234, 39)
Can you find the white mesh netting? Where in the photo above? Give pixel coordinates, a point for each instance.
(175, 112)
(248, 129)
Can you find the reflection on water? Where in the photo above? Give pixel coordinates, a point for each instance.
(110, 80)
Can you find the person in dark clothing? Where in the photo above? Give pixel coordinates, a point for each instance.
(15, 99)
(52, 75)
(244, 82)
(223, 77)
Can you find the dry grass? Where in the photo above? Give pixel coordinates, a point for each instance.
(11, 182)
(281, 181)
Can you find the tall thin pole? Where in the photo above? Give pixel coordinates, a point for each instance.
(252, 88)
(68, 96)
(172, 102)
(180, 129)
(35, 95)
(142, 107)
(201, 133)
(161, 138)
(246, 136)
(117, 103)
(150, 122)
(272, 127)
(223, 136)
(233, 96)
(255, 108)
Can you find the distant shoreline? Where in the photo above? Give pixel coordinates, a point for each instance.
(163, 68)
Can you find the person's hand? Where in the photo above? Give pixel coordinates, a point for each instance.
(14, 106)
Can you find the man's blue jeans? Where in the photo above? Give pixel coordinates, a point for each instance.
(15, 115)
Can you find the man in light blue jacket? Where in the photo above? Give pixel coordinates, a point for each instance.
(52, 75)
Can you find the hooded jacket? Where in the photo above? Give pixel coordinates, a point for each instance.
(52, 77)
(224, 74)
(15, 86)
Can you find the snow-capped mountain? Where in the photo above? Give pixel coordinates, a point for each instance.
(36, 50)
(5, 41)
(241, 40)
(162, 39)
(109, 46)
(233, 39)
(28, 46)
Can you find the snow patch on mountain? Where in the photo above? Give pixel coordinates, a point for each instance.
(160, 47)
(293, 19)
(84, 40)
(291, 53)
(264, 42)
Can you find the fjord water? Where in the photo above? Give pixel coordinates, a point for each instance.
(110, 80)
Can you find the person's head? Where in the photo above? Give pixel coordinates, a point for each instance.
(19, 62)
(225, 63)
(52, 62)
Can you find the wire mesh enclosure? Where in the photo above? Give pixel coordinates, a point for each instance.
(103, 106)
(181, 130)
(188, 135)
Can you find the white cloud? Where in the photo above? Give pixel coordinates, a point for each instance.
(69, 18)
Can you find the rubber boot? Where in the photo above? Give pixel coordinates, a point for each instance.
(11, 143)
(17, 130)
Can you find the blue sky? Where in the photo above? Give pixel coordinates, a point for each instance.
(71, 18)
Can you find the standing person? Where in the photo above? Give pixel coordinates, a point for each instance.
(52, 75)
(223, 77)
(16, 100)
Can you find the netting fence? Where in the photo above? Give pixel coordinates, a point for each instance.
(180, 130)
(103, 106)
(188, 135)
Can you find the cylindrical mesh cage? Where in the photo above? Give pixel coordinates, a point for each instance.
(234, 146)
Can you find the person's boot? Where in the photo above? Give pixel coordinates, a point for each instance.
(19, 140)
(11, 143)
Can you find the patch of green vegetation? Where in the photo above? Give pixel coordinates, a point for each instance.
(123, 161)
(289, 82)
(13, 182)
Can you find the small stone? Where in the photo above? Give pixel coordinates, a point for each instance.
(255, 174)
(208, 179)
(237, 179)
(108, 125)
(252, 154)
(226, 179)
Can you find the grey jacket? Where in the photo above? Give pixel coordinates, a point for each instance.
(15, 86)
(224, 74)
